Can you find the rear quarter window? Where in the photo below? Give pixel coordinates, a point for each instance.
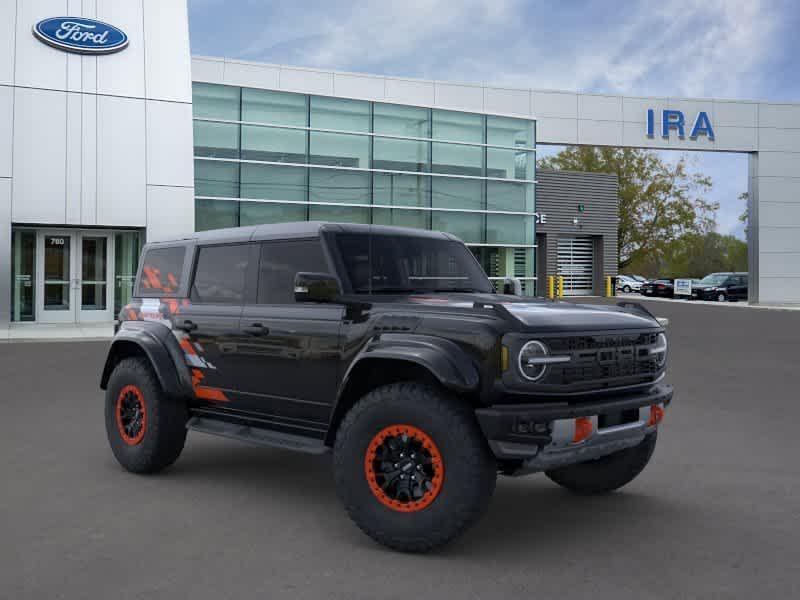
(162, 271)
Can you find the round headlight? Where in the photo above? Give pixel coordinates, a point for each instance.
(529, 360)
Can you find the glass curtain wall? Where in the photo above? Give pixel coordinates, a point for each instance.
(264, 156)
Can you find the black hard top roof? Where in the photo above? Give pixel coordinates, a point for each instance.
(297, 230)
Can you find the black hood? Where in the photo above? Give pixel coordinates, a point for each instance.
(539, 314)
(562, 316)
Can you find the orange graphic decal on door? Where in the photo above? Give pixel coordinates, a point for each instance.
(204, 392)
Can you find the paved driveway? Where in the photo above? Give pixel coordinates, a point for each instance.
(716, 514)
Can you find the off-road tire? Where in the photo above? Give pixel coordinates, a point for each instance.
(468, 466)
(608, 473)
(164, 431)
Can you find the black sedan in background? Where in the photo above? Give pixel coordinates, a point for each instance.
(721, 287)
(663, 288)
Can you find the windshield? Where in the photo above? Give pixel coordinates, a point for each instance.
(383, 263)
(713, 279)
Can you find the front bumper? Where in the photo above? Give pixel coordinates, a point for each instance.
(539, 437)
(704, 294)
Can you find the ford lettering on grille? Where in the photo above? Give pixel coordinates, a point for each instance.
(598, 358)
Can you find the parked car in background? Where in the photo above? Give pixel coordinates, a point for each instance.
(639, 278)
(663, 288)
(721, 287)
(628, 284)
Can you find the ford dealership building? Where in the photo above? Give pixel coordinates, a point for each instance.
(111, 134)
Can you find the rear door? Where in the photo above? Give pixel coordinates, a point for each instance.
(208, 326)
(290, 350)
(739, 287)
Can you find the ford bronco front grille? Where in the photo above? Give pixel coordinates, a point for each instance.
(599, 358)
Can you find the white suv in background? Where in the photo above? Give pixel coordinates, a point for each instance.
(627, 284)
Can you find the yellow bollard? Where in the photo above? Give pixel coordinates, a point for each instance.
(609, 288)
(560, 286)
(551, 287)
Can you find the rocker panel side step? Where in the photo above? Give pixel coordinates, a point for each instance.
(254, 435)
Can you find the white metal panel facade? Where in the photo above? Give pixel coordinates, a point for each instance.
(6, 129)
(73, 128)
(40, 139)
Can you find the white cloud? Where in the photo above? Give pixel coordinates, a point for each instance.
(674, 47)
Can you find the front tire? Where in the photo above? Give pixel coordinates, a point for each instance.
(721, 297)
(145, 428)
(627, 289)
(607, 473)
(412, 467)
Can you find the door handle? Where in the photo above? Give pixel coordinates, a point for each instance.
(256, 329)
(187, 325)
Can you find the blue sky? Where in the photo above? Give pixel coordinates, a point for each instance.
(709, 48)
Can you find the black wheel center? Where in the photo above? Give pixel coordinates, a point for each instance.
(131, 414)
(403, 468)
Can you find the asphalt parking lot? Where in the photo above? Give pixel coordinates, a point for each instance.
(715, 515)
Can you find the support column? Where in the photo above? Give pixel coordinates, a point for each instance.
(774, 227)
(5, 254)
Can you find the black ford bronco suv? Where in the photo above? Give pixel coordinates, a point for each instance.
(389, 348)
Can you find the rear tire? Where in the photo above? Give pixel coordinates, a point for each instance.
(608, 473)
(145, 428)
(399, 422)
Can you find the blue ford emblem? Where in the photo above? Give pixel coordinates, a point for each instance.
(84, 36)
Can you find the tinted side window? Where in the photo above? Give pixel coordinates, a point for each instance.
(280, 262)
(220, 274)
(162, 269)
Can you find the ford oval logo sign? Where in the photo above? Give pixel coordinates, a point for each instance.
(84, 36)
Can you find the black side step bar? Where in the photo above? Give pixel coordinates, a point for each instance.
(254, 435)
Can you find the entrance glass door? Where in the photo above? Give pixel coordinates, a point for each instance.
(56, 283)
(95, 303)
(74, 279)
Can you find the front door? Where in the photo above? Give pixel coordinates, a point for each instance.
(73, 280)
(291, 350)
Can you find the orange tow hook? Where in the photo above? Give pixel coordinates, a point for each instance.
(583, 429)
(656, 415)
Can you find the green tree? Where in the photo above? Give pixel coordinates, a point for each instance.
(695, 255)
(745, 216)
(659, 202)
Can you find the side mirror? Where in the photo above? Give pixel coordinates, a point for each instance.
(512, 286)
(316, 287)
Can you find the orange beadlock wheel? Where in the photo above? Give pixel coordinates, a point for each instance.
(404, 468)
(131, 415)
